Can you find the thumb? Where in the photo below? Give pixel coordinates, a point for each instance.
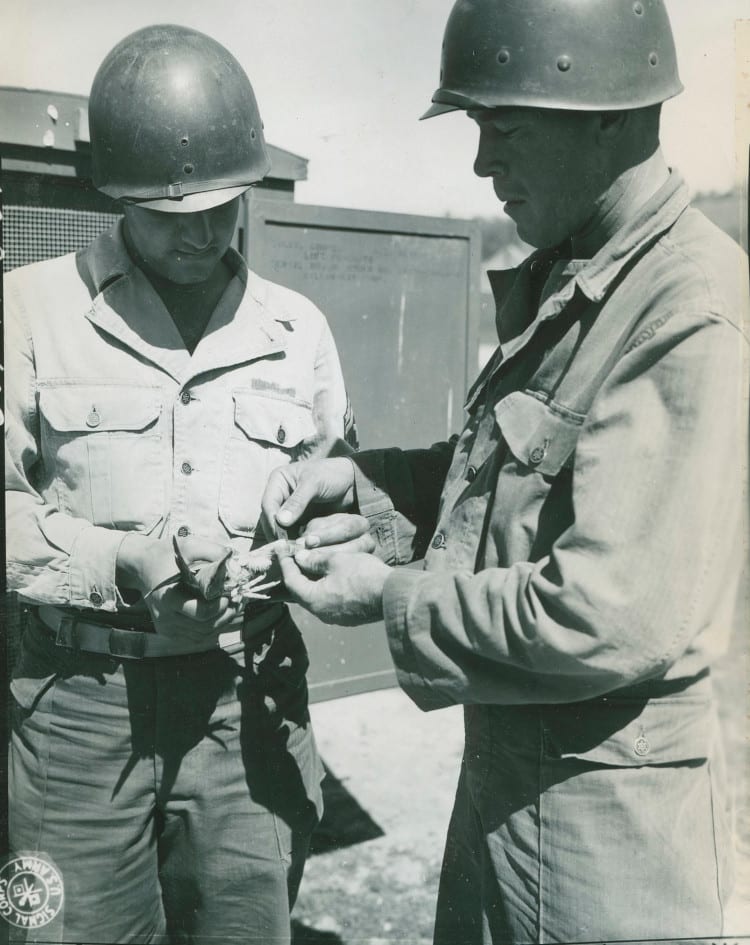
(296, 505)
(319, 562)
(313, 564)
(295, 581)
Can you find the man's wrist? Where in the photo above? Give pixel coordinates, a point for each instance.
(130, 570)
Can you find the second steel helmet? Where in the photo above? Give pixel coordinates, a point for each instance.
(174, 122)
(572, 54)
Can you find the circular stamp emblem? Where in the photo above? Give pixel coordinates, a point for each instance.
(31, 891)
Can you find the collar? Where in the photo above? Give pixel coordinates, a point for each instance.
(522, 288)
(106, 259)
(126, 306)
(594, 276)
(646, 225)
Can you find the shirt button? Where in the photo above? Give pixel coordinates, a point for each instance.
(183, 531)
(537, 455)
(641, 746)
(471, 474)
(186, 468)
(185, 397)
(439, 540)
(93, 419)
(96, 598)
(281, 435)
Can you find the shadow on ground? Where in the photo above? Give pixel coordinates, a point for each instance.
(344, 824)
(304, 935)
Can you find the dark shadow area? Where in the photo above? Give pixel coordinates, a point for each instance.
(304, 935)
(344, 823)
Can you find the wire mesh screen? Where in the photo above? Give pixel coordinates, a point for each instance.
(34, 233)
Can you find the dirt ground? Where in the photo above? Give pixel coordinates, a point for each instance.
(400, 766)
(394, 771)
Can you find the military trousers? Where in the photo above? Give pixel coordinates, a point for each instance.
(175, 796)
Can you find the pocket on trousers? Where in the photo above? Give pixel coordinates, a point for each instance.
(29, 692)
(631, 733)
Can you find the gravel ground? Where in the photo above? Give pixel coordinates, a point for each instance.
(395, 771)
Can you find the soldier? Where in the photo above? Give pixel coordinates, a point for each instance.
(162, 754)
(582, 537)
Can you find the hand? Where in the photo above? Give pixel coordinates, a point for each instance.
(148, 566)
(337, 587)
(340, 529)
(292, 490)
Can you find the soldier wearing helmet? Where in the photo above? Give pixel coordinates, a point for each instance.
(162, 753)
(582, 537)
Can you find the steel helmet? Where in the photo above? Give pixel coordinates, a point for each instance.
(590, 55)
(174, 122)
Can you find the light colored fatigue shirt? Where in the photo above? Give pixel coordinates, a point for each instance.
(585, 532)
(113, 426)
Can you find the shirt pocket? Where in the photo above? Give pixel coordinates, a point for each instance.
(266, 432)
(104, 449)
(541, 437)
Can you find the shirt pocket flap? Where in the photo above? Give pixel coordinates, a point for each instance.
(631, 733)
(537, 435)
(92, 409)
(283, 423)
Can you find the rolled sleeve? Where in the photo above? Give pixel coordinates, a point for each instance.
(399, 492)
(65, 560)
(376, 506)
(92, 567)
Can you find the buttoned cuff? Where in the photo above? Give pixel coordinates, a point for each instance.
(400, 588)
(374, 503)
(92, 568)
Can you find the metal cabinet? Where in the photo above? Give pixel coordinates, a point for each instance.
(401, 294)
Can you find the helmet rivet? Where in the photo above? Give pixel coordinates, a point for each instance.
(253, 134)
(191, 143)
(653, 59)
(503, 56)
(563, 63)
(638, 9)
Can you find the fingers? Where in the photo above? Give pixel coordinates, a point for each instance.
(296, 505)
(184, 605)
(203, 611)
(278, 489)
(345, 589)
(295, 582)
(319, 562)
(233, 616)
(291, 490)
(334, 529)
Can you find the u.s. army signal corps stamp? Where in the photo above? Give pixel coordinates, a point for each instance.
(31, 892)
